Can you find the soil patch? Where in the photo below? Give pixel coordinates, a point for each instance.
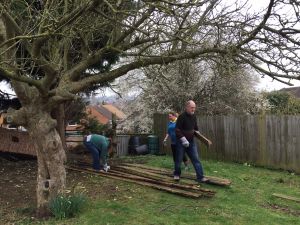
(18, 185)
(283, 209)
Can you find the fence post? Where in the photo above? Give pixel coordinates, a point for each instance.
(160, 122)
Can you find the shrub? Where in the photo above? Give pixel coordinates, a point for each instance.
(66, 206)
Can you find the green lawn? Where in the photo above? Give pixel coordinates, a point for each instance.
(247, 201)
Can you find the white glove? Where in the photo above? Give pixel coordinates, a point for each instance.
(106, 167)
(185, 142)
(165, 142)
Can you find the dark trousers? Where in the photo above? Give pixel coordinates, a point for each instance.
(192, 153)
(173, 147)
(95, 154)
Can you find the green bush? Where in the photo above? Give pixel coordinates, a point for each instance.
(283, 103)
(93, 126)
(66, 206)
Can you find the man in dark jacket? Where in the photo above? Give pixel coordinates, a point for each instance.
(186, 126)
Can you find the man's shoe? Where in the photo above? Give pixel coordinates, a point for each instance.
(176, 178)
(203, 180)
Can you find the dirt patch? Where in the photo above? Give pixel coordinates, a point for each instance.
(18, 185)
(283, 209)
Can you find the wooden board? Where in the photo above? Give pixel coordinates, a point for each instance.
(145, 182)
(203, 139)
(162, 174)
(212, 180)
(286, 197)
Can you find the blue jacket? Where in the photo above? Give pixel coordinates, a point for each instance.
(171, 132)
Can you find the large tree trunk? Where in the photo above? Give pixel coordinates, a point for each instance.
(59, 115)
(51, 179)
(35, 115)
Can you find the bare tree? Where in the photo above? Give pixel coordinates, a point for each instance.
(53, 49)
(218, 88)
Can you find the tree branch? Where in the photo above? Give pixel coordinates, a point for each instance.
(44, 64)
(259, 27)
(81, 85)
(269, 73)
(24, 79)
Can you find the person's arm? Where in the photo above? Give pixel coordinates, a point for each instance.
(104, 151)
(167, 134)
(166, 138)
(179, 126)
(179, 133)
(104, 156)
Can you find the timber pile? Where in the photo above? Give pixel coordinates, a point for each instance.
(212, 180)
(156, 178)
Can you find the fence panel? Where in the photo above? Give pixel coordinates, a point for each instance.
(16, 142)
(265, 140)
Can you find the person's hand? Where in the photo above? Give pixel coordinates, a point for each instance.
(165, 142)
(106, 168)
(209, 143)
(184, 142)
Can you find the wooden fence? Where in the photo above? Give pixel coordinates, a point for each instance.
(16, 142)
(264, 140)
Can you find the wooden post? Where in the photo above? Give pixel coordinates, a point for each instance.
(114, 135)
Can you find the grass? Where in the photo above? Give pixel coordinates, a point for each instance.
(248, 201)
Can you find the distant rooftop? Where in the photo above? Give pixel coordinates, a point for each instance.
(103, 113)
(115, 110)
(292, 90)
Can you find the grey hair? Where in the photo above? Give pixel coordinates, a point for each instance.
(189, 102)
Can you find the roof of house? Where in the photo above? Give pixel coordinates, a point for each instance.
(103, 113)
(119, 114)
(106, 113)
(93, 112)
(293, 90)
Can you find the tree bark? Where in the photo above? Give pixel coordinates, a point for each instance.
(59, 115)
(51, 179)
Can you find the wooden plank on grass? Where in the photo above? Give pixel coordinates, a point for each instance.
(188, 187)
(286, 197)
(155, 186)
(212, 180)
(160, 173)
(142, 172)
(147, 177)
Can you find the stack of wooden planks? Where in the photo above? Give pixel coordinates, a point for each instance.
(157, 178)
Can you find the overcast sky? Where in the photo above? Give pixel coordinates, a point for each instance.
(266, 83)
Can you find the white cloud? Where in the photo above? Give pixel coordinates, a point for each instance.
(268, 84)
(5, 88)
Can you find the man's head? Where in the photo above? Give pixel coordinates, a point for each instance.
(190, 107)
